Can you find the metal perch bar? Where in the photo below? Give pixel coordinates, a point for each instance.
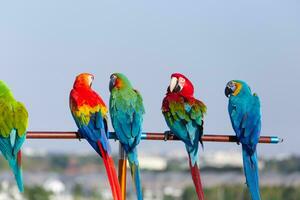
(147, 136)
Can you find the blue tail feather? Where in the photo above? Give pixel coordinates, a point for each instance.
(10, 155)
(193, 154)
(135, 173)
(251, 172)
(17, 171)
(93, 136)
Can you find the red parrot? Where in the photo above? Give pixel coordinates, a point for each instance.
(184, 116)
(90, 114)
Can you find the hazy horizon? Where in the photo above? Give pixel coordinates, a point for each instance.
(44, 45)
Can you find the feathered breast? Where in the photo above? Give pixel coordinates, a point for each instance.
(84, 103)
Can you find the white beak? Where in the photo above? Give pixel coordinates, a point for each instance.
(173, 84)
(91, 80)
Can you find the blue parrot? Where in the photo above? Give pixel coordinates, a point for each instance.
(245, 115)
(126, 111)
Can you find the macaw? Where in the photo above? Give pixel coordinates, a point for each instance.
(245, 115)
(13, 125)
(90, 114)
(126, 111)
(184, 116)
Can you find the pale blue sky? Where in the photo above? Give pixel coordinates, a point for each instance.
(45, 44)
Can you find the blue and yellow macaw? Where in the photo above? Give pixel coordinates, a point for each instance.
(245, 115)
(126, 112)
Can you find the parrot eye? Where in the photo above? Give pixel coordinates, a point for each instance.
(113, 77)
(230, 88)
(181, 81)
(232, 85)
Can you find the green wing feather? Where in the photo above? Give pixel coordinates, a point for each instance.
(187, 110)
(183, 116)
(13, 115)
(126, 112)
(6, 118)
(21, 118)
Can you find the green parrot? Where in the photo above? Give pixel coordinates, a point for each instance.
(13, 125)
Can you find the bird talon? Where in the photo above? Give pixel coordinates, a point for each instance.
(78, 136)
(167, 135)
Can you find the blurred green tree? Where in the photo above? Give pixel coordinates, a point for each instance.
(37, 193)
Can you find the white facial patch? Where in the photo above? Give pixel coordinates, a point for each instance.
(181, 82)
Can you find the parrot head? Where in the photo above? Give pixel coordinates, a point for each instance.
(235, 87)
(118, 80)
(4, 90)
(181, 85)
(84, 80)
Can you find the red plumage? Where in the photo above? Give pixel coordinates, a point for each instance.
(184, 114)
(19, 158)
(195, 172)
(85, 104)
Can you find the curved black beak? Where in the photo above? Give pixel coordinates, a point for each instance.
(111, 84)
(228, 91)
(177, 88)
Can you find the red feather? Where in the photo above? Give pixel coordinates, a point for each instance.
(111, 173)
(83, 100)
(197, 180)
(19, 158)
(85, 96)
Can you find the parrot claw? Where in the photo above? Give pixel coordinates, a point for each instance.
(78, 135)
(167, 135)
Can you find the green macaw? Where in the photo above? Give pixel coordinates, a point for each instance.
(13, 125)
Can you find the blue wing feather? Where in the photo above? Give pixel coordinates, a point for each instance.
(245, 117)
(6, 148)
(127, 120)
(18, 143)
(95, 131)
(9, 148)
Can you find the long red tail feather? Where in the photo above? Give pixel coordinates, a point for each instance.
(19, 158)
(111, 173)
(197, 180)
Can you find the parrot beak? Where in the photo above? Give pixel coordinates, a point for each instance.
(111, 85)
(174, 86)
(228, 91)
(112, 82)
(91, 79)
(173, 83)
